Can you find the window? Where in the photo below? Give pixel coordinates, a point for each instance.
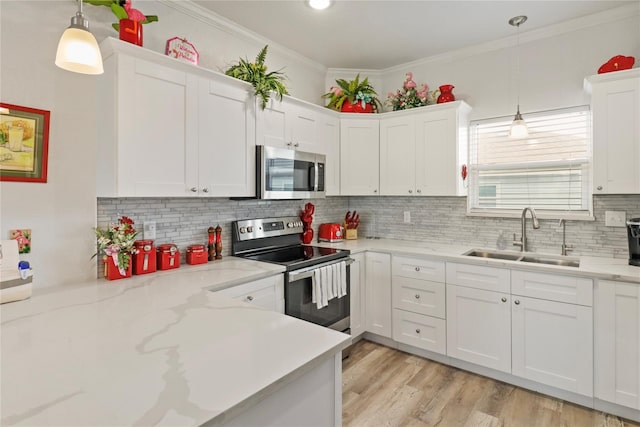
(549, 170)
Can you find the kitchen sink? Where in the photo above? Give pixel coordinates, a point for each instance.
(562, 261)
(565, 262)
(481, 253)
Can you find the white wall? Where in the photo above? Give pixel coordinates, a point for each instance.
(62, 212)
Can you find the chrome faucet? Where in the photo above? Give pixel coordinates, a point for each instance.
(523, 219)
(564, 247)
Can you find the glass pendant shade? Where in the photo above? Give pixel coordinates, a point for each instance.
(78, 50)
(519, 127)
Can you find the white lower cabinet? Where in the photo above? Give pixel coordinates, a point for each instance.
(479, 327)
(552, 343)
(357, 294)
(378, 293)
(266, 293)
(617, 343)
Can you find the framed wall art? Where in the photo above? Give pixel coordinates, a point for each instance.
(24, 143)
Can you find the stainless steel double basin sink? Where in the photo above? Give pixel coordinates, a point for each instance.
(563, 261)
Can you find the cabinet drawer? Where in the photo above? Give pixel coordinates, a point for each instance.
(428, 333)
(575, 290)
(417, 268)
(266, 293)
(419, 296)
(479, 277)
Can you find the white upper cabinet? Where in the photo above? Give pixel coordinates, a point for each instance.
(615, 106)
(359, 155)
(329, 134)
(169, 129)
(289, 123)
(422, 150)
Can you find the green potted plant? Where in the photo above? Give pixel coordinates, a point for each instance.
(256, 73)
(353, 96)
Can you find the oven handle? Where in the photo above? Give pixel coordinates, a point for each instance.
(308, 272)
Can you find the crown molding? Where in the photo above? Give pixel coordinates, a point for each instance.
(369, 73)
(221, 23)
(572, 25)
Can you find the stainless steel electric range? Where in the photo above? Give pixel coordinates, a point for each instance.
(279, 241)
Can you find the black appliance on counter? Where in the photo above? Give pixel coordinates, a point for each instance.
(279, 241)
(633, 232)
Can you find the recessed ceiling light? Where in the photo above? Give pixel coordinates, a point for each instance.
(319, 4)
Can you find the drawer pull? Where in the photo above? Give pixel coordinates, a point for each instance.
(193, 189)
(417, 296)
(517, 302)
(249, 298)
(417, 268)
(417, 331)
(504, 299)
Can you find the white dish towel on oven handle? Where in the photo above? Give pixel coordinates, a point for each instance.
(327, 283)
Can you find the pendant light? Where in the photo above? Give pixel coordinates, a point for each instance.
(78, 49)
(319, 4)
(519, 126)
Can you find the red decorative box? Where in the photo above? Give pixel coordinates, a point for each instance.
(197, 254)
(144, 260)
(168, 256)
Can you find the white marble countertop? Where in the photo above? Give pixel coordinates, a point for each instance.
(156, 349)
(594, 267)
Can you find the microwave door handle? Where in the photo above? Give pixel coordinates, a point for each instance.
(313, 177)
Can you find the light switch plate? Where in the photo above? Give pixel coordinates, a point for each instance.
(615, 218)
(407, 217)
(149, 230)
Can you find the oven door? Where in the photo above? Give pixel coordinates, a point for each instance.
(298, 300)
(289, 174)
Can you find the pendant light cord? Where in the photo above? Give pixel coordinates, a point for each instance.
(517, 63)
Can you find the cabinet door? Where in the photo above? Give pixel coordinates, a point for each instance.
(552, 343)
(272, 124)
(156, 124)
(378, 293)
(479, 327)
(329, 131)
(440, 149)
(359, 157)
(617, 343)
(304, 128)
(397, 156)
(357, 289)
(615, 107)
(226, 140)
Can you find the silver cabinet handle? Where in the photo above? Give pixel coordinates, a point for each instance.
(297, 144)
(599, 187)
(417, 331)
(249, 298)
(417, 296)
(289, 144)
(517, 302)
(375, 191)
(503, 299)
(419, 191)
(417, 268)
(193, 189)
(205, 190)
(410, 191)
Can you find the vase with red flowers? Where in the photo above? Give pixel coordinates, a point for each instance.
(116, 244)
(130, 20)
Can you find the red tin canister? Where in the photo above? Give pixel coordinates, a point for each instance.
(197, 254)
(168, 256)
(144, 258)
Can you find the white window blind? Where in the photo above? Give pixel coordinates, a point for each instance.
(549, 170)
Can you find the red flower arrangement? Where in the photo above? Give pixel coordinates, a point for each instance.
(116, 241)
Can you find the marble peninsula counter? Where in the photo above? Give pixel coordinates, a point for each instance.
(157, 349)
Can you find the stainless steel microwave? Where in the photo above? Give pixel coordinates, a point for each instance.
(283, 173)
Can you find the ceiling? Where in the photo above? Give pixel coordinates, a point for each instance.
(362, 34)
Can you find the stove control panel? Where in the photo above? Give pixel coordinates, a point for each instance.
(250, 229)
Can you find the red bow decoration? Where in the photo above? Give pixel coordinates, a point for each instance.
(617, 63)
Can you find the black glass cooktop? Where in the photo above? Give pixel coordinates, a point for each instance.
(296, 257)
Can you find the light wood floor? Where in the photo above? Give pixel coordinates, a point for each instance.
(386, 387)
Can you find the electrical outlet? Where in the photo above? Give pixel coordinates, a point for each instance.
(407, 216)
(149, 230)
(615, 218)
